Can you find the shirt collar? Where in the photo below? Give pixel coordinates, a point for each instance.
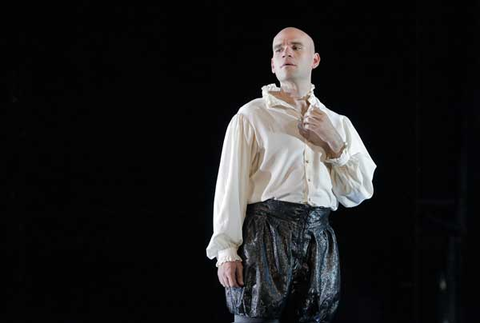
(273, 101)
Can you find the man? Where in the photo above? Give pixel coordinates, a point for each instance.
(287, 161)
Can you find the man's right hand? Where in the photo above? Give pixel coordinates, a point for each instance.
(230, 274)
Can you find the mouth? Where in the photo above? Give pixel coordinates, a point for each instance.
(288, 64)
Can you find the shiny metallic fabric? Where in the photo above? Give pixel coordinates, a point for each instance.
(291, 264)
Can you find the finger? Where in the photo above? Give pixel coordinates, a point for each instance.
(220, 278)
(308, 126)
(302, 130)
(312, 121)
(316, 112)
(233, 277)
(313, 118)
(317, 116)
(240, 274)
(305, 122)
(232, 282)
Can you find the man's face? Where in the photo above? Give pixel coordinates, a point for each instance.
(293, 56)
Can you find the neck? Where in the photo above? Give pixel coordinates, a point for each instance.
(296, 94)
(296, 90)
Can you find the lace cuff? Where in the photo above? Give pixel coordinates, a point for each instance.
(225, 255)
(342, 159)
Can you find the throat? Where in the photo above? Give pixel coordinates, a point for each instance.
(300, 104)
(302, 107)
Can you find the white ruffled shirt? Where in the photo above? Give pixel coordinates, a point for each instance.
(264, 156)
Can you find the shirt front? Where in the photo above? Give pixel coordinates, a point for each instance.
(264, 156)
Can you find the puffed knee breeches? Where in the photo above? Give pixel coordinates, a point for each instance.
(291, 264)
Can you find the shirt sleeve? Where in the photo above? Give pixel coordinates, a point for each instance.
(231, 191)
(352, 172)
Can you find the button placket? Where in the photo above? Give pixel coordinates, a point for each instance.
(305, 171)
(308, 171)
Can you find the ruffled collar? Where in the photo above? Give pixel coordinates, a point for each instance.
(272, 100)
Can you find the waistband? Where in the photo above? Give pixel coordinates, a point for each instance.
(294, 212)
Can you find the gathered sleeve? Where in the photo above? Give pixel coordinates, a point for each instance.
(231, 191)
(352, 172)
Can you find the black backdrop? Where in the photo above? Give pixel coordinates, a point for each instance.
(115, 116)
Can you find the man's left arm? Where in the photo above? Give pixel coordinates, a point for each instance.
(352, 168)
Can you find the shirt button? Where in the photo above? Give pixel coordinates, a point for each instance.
(306, 161)
(309, 179)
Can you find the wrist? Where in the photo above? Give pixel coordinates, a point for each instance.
(337, 149)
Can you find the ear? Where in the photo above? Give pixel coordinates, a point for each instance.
(272, 66)
(316, 60)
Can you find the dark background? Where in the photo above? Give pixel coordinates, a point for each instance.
(113, 122)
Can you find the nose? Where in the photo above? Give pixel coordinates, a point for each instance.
(287, 52)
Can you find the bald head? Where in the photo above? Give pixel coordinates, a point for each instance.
(294, 57)
(295, 33)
